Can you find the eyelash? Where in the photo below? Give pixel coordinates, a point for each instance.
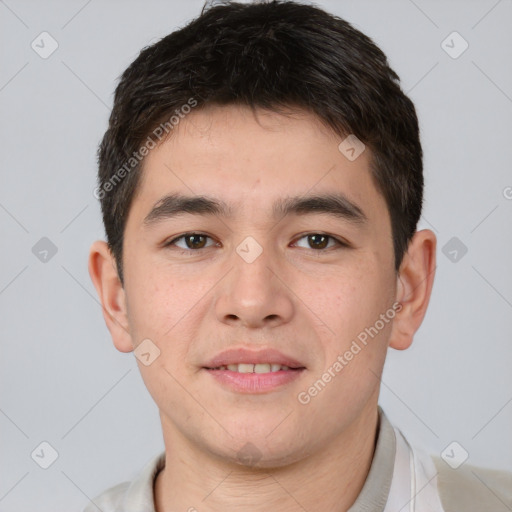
(339, 243)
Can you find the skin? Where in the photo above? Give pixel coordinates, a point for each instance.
(307, 302)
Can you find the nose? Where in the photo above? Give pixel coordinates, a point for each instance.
(254, 294)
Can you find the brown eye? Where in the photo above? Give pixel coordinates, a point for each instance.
(319, 241)
(190, 241)
(195, 241)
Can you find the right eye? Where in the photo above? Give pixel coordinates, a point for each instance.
(189, 242)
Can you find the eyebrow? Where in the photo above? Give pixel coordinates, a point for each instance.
(335, 204)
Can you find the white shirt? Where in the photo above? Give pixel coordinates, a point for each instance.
(401, 479)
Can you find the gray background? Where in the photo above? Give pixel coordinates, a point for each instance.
(62, 380)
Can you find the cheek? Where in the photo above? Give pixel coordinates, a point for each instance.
(349, 304)
(342, 298)
(167, 307)
(158, 297)
(151, 303)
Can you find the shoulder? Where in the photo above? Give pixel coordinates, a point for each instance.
(473, 489)
(109, 500)
(134, 496)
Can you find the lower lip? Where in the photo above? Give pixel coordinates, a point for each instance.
(254, 382)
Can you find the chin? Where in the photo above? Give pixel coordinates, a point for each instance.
(251, 457)
(263, 451)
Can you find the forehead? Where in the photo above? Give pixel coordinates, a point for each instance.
(251, 161)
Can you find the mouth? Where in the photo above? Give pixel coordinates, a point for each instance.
(245, 360)
(256, 368)
(248, 371)
(258, 378)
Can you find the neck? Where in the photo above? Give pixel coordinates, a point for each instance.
(331, 479)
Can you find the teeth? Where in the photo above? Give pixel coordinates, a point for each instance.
(254, 368)
(261, 368)
(245, 368)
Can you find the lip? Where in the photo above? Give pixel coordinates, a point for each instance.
(244, 355)
(254, 383)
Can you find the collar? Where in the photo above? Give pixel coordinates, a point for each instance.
(373, 496)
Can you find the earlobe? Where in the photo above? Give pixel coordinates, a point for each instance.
(414, 287)
(103, 272)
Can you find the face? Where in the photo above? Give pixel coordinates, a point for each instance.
(286, 261)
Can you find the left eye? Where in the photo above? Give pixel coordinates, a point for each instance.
(319, 241)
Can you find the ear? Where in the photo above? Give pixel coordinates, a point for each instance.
(103, 272)
(414, 287)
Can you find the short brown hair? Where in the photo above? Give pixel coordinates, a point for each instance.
(271, 55)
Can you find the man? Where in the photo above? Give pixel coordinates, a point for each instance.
(261, 183)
